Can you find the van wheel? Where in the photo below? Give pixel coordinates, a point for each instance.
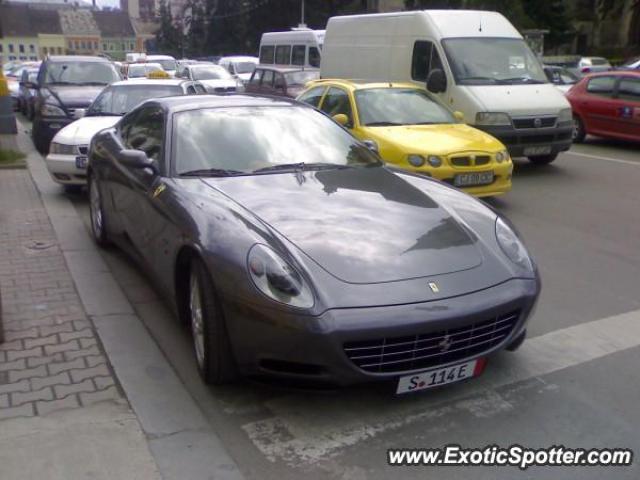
(543, 159)
(579, 133)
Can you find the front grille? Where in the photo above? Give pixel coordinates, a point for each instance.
(483, 159)
(83, 149)
(530, 122)
(461, 161)
(425, 350)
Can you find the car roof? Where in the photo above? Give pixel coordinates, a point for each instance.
(150, 81)
(285, 69)
(160, 57)
(354, 85)
(239, 58)
(615, 73)
(178, 104)
(76, 58)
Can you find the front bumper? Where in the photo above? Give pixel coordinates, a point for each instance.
(518, 140)
(63, 170)
(300, 347)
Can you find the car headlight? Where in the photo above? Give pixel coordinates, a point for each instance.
(434, 161)
(62, 149)
(277, 279)
(48, 110)
(502, 155)
(492, 118)
(416, 160)
(512, 246)
(565, 115)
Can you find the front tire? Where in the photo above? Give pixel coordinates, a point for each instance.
(579, 133)
(543, 159)
(208, 329)
(96, 212)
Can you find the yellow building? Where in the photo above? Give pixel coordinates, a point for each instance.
(29, 33)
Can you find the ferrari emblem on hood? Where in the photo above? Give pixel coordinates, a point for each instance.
(434, 287)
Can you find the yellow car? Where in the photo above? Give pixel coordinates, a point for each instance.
(413, 130)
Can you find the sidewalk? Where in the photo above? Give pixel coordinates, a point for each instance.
(61, 412)
(85, 391)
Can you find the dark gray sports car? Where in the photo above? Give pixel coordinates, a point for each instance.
(292, 251)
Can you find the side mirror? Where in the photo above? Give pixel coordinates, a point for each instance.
(371, 145)
(79, 113)
(459, 116)
(437, 81)
(342, 119)
(136, 159)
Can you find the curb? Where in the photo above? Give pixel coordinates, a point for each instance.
(178, 435)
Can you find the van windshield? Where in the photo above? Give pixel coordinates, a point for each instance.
(492, 61)
(385, 107)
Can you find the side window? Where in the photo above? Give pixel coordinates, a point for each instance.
(200, 90)
(283, 54)
(297, 54)
(425, 59)
(629, 89)
(337, 101)
(314, 57)
(313, 96)
(191, 90)
(267, 53)
(146, 132)
(256, 77)
(267, 78)
(601, 86)
(279, 81)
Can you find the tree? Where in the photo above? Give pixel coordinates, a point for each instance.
(168, 37)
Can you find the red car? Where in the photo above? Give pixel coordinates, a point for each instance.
(607, 104)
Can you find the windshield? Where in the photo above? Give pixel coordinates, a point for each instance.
(244, 67)
(248, 139)
(492, 61)
(81, 73)
(633, 62)
(121, 99)
(399, 106)
(301, 77)
(212, 72)
(167, 64)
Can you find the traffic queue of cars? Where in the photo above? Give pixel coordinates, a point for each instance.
(317, 227)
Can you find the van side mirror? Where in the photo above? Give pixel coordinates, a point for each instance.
(437, 81)
(459, 116)
(136, 159)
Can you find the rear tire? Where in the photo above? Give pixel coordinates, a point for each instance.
(73, 189)
(543, 159)
(96, 212)
(579, 133)
(211, 344)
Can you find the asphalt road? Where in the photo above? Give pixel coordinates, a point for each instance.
(574, 383)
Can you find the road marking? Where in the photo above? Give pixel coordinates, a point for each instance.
(607, 159)
(305, 430)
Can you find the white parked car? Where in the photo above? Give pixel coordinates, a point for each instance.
(67, 159)
(239, 66)
(168, 63)
(215, 78)
(141, 70)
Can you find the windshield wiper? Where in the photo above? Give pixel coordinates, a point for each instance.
(92, 83)
(473, 79)
(60, 82)
(511, 81)
(103, 114)
(302, 166)
(383, 124)
(212, 172)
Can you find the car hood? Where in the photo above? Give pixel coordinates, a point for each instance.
(81, 131)
(219, 82)
(519, 100)
(75, 96)
(442, 139)
(362, 225)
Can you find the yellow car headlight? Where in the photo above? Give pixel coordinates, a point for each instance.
(416, 160)
(502, 155)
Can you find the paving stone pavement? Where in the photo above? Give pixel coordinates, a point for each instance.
(51, 358)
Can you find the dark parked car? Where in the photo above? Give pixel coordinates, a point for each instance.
(607, 105)
(292, 251)
(27, 93)
(280, 81)
(66, 83)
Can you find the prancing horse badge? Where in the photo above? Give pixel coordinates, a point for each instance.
(434, 288)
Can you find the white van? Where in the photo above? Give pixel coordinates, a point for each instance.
(476, 61)
(300, 46)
